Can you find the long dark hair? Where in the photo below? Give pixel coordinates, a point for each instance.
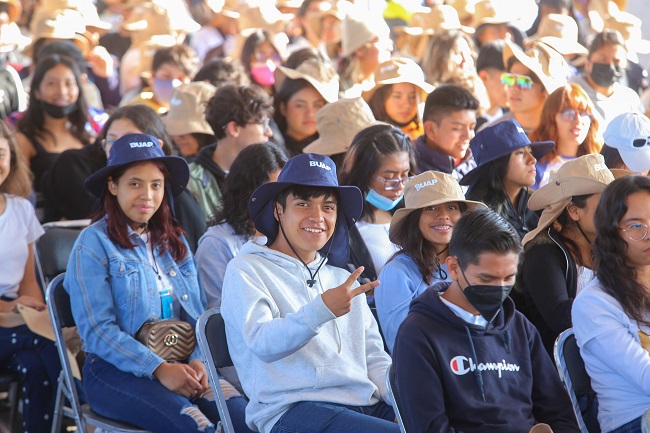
(421, 251)
(32, 124)
(617, 276)
(163, 228)
(242, 181)
(564, 221)
(489, 188)
(378, 106)
(145, 119)
(365, 155)
(288, 88)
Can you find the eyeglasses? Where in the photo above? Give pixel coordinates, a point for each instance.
(570, 114)
(264, 122)
(640, 142)
(522, 81)
(636, 231)
(107, 143)
(391, 184)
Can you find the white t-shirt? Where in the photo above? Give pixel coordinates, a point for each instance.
(379, 245)
(19, 228)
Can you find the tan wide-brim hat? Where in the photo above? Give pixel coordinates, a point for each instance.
(436, 19)
(465, 8)
(337, 9)
(585, 175)
(263, 16)
(319, 74)
(360, 27)
(65, 24)
(337, 124)
(560, 32)
(399, 70)
(492, 12)
(545, 62)
(85, 7)
(629, 27)
(160, 17)
(227, 8)
(186, 113)
(11, 38)
(427, 189)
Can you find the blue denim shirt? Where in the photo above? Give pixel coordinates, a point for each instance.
(113, 292)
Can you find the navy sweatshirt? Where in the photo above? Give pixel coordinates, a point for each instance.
(453, 376)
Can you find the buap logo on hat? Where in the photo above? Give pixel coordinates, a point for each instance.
(419, 186)
(320, 164)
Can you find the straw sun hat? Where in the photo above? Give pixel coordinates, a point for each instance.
(587, 174)
(399, 70)
(428, 189)
(545, 62)
(337, 124)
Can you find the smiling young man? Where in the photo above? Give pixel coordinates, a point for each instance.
(464, 358)
(449, 120)
(305, 344)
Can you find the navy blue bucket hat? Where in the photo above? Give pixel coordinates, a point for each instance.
(497, 141)
(137, 148)
(309, 169)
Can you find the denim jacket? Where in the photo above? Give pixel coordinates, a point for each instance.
(113, 292)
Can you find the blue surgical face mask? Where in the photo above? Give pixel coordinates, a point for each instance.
(163, 89)
(381, 202)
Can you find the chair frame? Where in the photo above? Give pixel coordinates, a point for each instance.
(61, 316)
(215, 357)
(394, 396)
(563, 370)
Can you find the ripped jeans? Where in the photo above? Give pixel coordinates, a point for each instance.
(146, 403)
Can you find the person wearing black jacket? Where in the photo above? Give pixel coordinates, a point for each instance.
(465, 360)
(557, 259)
(505, 160)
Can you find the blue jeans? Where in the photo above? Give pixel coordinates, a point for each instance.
(146, 403)
(633, 426)
(36, 361)
(321, 417)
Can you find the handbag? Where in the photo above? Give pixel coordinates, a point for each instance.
(172, 340)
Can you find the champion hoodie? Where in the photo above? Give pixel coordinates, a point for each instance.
(453, 376)
(288, 347)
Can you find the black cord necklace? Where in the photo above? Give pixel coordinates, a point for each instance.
(312, 279)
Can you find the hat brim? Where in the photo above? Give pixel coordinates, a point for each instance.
(401, 214)
(179, 175)
(539, 149)
(425, 88)
(562, 46)
(547, 217)
(326, 147)
(328, 90)
(549, 83)
(635, 160)
(184, 127)
(350, 199)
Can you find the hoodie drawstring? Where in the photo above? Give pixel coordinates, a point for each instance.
(507, 338)
(477, 373)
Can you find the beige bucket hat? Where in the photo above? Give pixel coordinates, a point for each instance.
(492, 12)
(227, 8)
(428, 189)
(559, 32)
(318, 74)
(337, 9)
(58, 24)
(545, 62)
(85, 7)
(399, 70)
(358, 28)
(629, 27)
(337, 124)
(187, 109)
(437, 18)
(159, 17)
(587, 174)
(263, 16)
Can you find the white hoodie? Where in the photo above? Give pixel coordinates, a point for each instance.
(288, 347)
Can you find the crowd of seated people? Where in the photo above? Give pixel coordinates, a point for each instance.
(437, 191)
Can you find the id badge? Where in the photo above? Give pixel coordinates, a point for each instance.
(166, 301)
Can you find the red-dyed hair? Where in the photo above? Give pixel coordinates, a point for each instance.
(163, 227)
(568, 96)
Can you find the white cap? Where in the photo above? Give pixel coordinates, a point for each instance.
(630, 134)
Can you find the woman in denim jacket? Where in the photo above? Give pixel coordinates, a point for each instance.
(119, 276)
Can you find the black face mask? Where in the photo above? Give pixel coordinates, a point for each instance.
(57, 111)
(486, 299)
(605, 74)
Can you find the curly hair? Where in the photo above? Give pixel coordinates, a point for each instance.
(236, 104)
(617, 275)
(241, 182)
(568, 96)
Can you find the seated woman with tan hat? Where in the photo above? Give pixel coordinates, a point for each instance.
(399, 89)
(558, 261)
(423, 228)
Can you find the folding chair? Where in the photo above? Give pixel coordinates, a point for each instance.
(9, 381)
(58, 301)
(211, 336)
(394, 395)
(53, 249)
(577, 382)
